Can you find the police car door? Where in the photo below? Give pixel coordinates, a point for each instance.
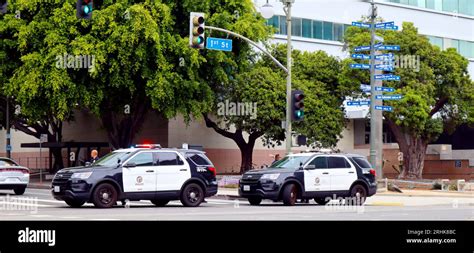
(343, 173)
(138, 173)
(316, 175)
(172, 171)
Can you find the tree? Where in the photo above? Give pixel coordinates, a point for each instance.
(46, 93)
(439, 95)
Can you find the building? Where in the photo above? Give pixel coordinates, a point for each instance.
(317, 25)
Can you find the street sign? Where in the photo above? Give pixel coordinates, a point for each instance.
(362, 48)
(384, 57)
(9, 147)
(385, 89)
(382, 25)
(359, 66)
(43, 138)
(389, 77)
(364, 87)
(384, 108)
(219, 44)
(384, 67)
(388, 97)
(360, 56)
(378, 38)
(358, 103)
(389, 47)
(361, 25)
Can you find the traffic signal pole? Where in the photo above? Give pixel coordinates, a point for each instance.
(287, 10)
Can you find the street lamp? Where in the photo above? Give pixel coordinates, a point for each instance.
(267, 11)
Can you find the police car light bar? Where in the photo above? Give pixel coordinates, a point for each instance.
(148, 146)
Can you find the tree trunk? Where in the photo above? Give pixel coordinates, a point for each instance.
(413, 149)
(246, 148)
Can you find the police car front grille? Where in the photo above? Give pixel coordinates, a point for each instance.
(62, 178)
(251, 178)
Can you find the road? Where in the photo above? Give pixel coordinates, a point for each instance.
(37, 204)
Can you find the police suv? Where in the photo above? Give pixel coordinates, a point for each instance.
(318, 176)
(141, 173)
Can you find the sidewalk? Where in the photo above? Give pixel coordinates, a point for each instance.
(407, 198)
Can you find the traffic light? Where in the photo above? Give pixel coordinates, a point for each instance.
(84, 9)
(3, 6)
(196, 30)
(297, 97)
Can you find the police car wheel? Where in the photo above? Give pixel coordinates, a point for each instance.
(255, 201)
(358, 194)
(104, 196)
(160, 202)
(74, 203)
(321, 201)
(290, 195)
(192, 195)
(20, 191)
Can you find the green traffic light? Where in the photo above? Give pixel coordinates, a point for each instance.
(299, 114)
(87, 9)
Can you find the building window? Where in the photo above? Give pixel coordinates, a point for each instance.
(283, 25)
(296, 27)
(328, 31)
(338, 32)
(306, 27)
(466, 7)
(451, 5)
(466, 49)
(275, 22)
(317, 29)
(437, 41)
(453, 44)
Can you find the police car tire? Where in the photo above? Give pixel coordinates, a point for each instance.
(190, 201)
(255, 201)
(358, 188)
(104, 187)
(321, 201)
(74, 203)
(290, 194)
(159, 202)
(20, 190)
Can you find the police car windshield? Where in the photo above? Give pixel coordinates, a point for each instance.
(112, 159)
(290, 162)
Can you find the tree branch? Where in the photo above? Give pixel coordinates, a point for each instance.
(439, 104)
(213, 125)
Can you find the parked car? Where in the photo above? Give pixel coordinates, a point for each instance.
(141, 173)
(318, 176)
(13, 176)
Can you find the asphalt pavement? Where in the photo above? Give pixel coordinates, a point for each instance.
(38, 204)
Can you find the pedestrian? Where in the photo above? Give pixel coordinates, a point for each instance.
(94, 156)
(277, 158)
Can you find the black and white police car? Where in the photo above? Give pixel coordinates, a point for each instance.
(318, 176)
(141, 173)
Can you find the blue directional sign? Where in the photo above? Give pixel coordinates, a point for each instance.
(387, 77)
(384, 108)
(388, 97)
(385, 89)
(359, 66)
(389, 47)
(364, 87)
(358, 103)
(362, 48)
(361, 25)
(384, 57)
(360, 56)
(219, 44)
(382, 25)
(9, 147)
(384, 67)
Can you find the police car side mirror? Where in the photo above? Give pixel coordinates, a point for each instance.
(310, 167)
(88, 164)
(130, 165)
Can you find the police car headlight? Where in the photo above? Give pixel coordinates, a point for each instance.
(82, 175)
(272, 176)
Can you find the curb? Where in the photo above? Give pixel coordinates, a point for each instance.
(381, 203)
(38, 186)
